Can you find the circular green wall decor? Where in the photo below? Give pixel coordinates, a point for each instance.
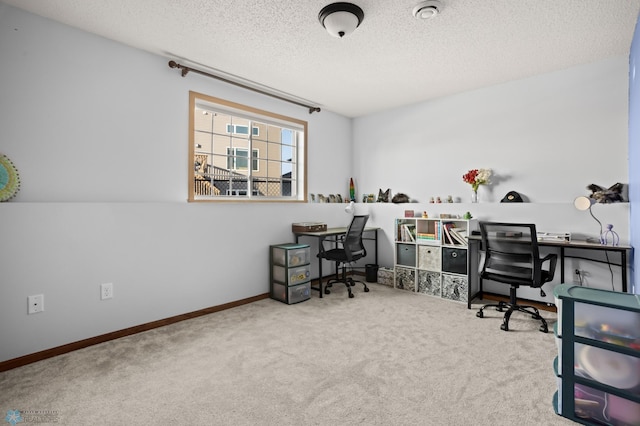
(9, 179)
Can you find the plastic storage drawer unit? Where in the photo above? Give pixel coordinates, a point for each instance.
(290, 272)
(291, 294)
(291, 276)
(290, 255)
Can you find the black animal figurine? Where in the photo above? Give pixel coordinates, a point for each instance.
(611, 195)
(383, 197)
(400, 198)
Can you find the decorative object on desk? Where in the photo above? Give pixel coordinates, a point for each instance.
(383, 197)
(312, 198)
(585, 203)
(611, 195)
(352, 190)
(467, 216)
(554, 236)
(431, 200)
(338, 198)
(615, 238)
(438, 200)
(332, 198)
(400, 198)
(475, 178)
(321, 198)
(425, 215)
(351, 208)
(308, 227)
(449, 199)
(9, 179)
(512, 197)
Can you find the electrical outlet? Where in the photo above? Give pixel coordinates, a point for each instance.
(35, 304)
(106, 291)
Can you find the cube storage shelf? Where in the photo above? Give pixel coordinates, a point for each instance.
(432, 257)
(290, 272)
(598, 362)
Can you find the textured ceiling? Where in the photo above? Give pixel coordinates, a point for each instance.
(391, 60)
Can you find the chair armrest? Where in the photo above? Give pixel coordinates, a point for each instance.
(338, 240)
(552, 258)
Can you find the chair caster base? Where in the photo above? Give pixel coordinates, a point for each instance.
(543, 328)
(480, 314)
(366, 289)
(504, 327)
(350, 295)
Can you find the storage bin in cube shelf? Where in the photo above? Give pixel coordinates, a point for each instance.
(291, 276)
(291, 254)
(385, 276)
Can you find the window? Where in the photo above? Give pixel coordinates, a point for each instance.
(242, 130)
(238, 159)
(221, 148)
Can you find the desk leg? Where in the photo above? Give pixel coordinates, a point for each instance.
(623, 266)
(319, 265)
(561, 265)
(320, 272)
(375, 237)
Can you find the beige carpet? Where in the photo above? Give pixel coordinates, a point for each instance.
(387, 357)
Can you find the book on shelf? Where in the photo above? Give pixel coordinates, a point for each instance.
(407, 233)
(447, 238)
(426, 236)
(459, 235)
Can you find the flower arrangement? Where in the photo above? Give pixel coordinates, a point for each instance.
(477, 177)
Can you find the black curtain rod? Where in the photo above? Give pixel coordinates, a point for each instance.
(185, 69)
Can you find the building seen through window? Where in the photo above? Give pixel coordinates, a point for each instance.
(232, 162)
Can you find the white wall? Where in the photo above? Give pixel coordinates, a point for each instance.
(98, 132)
(547, 137)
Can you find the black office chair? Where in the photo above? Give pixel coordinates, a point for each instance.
(510, 255)
(349, 248)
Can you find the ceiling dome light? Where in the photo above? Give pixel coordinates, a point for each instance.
(427, 9)
(341, 19)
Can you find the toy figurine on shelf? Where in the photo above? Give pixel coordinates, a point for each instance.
(352, 190)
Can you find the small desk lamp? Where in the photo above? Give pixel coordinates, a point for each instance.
(351, 208)
(584, 203)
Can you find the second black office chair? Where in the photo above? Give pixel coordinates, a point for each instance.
(348, 249)
(510, 255)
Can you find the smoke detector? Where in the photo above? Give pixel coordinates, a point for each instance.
(427, 9)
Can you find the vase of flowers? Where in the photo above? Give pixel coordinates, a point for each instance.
(476, 177)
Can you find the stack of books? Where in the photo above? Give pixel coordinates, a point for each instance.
(453, 235)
